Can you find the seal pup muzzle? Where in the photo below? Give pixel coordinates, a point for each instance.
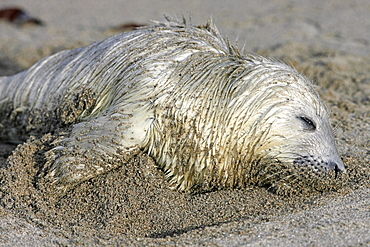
(209, 116)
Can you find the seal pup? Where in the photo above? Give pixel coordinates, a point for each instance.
(209, 116)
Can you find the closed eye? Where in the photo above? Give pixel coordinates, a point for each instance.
(308, 124)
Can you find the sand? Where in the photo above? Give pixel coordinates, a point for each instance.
(132, 205)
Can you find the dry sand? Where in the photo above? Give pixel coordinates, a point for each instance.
(132, 205)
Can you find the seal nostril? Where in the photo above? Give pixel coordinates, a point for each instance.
(334, 166)
(337, 170)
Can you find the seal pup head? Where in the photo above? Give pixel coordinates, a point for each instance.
(297, 151)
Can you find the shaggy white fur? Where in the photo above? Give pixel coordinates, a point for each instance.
(209, 116)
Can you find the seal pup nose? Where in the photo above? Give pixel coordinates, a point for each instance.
(338, 167)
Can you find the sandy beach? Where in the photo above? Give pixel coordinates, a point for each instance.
(328, 42)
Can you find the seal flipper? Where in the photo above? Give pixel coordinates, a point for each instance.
(92, 148)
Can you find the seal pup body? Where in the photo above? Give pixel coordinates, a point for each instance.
(209, 116)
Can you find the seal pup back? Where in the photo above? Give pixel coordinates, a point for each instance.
(209, 116)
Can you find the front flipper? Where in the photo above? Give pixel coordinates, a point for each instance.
(92, 148)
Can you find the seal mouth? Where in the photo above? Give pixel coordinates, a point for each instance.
(307, 174)
(319, 166)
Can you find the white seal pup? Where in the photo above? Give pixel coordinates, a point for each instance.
(208, 116)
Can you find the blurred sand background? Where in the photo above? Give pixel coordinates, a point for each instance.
(328, 41)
